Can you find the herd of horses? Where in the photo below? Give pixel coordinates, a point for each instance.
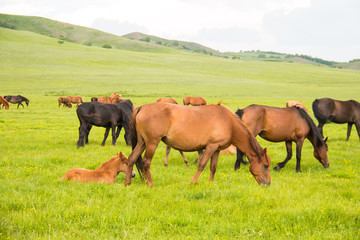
(207, 129)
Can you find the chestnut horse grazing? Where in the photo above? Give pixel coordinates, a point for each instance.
(284, 124)
(106, 172)
(4, 102)
(76, 100)
(209, 127)
(330, 110)
(65, 102)
(296, 104)
(195, 101)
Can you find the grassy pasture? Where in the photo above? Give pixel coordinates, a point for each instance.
(39, 146)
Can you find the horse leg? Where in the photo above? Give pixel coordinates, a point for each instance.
(119, 127)
(357, 125)
(239, 159)
(280, 165)
(133, 157)
(183, 156)
(168, 148)
(209, 151)
(82, 130)
(298, 154)
(348, 131)
(213, 164)
(200, 152)
(320, 127)
(105, 136)
(149, 153)
(113, 132)
(87, 132)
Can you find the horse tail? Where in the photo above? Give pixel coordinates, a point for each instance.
(314, 131)
(133, 137)
(317, 114)
(240, 113)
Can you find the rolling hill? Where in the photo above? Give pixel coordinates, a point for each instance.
(147, 43)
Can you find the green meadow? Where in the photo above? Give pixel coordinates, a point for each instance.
(38, 146)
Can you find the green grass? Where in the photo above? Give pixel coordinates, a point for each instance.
(39, 146)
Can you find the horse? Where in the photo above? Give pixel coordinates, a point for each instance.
(210, 128)
(296, 104)
(104, 100)
(94, 99)
(284, 124)
(104, 115)
(17, 99)
(195, 101)
(65, 101)
(168, 148)
(167, 100)
(106, 172)
(4, 103)
(330, 110)
(115, 97)
(76, 100)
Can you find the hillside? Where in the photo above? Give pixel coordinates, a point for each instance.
(190, 46)
(76, 34)
(147, 43)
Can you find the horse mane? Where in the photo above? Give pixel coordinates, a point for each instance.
(106, 163)
(251, 136)
(314, 131)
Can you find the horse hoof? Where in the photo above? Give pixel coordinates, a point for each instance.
(277, 168)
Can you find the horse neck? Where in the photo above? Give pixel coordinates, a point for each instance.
(246, 142)
(109, 168)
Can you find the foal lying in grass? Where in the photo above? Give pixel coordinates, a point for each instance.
(106, 172)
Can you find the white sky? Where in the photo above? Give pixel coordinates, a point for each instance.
(328, 29)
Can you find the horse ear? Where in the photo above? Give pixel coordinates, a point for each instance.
(265, 151)
(325, 140)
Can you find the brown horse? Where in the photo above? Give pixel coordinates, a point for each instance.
(4, 102)
(168, 148)
(104, 100)
(209, 127)
(195, 101)
(65, 101)
(106, 172)
(330, 110)
(76, 100)
(167, 100)
(115, 97)
(296, 104)
(284, 124)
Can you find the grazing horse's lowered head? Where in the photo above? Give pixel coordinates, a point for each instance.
(106, 172)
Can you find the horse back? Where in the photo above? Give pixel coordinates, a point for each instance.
(183, 127)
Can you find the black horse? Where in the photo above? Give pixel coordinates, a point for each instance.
(104, 115)
(330, 110)
(17, 99)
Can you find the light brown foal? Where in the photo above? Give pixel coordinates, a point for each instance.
(195, 101)
(209, 127)
(106, 172)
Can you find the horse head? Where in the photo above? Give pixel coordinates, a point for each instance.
(122, 164)
(320, 153)
(260, 168)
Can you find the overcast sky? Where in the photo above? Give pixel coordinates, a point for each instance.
(328, 29)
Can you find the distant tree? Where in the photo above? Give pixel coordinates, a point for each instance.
(87, 43)
(175, 43)
(261, 55)
(145, 39)
(158, 42)
(60, 42)
(107, 45)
